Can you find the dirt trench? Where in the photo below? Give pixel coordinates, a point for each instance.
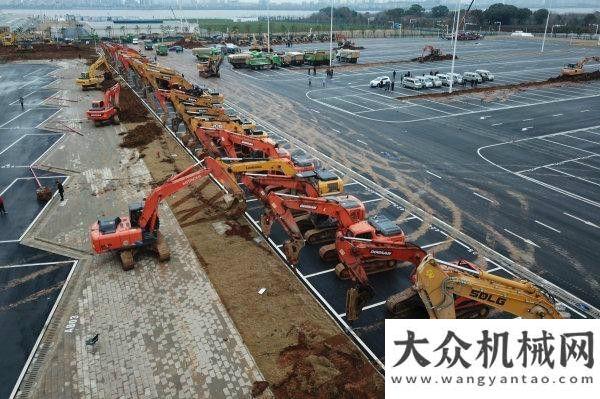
(46, 52)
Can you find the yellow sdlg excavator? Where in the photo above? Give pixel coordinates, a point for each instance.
(578, 69)
(93, 78)
(437, 287)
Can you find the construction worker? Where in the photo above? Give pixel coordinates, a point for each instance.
(323, 82)
(2, 210)
(393, 85)
(22, 102)
(314, 70)
(309, 70)
(61, 190)
(309, 81)
(394, 75)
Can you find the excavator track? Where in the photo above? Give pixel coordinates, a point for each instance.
(320, 236)
(406, 304)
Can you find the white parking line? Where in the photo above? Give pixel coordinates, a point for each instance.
(587, 222)
(371, 306)
(319, 273)
(435, 244)
(18, 116)
(483, 197)
(372, 200)
(573, 176)
(526, 240)
(433, 174)
(546, 226)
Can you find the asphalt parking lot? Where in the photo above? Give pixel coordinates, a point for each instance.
(451, 155)
(31, 280)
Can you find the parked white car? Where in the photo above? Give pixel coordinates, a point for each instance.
(425, 82)
(434, 79)
(135, 40)
(412, 83)
(485, 75)
(472, 77)
(381, 80)
(444, 78)
(458, 78)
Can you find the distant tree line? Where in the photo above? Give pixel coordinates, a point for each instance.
(506, 16)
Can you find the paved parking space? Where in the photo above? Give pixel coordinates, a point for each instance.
(566, 162)
(31, 280)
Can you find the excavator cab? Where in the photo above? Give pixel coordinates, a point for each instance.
(325, 181)
(97, 105)
(135, 212)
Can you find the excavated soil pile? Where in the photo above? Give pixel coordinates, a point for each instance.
(433, 58)
(190, 44)
(107, 84)
(46, 51)
(130, 107)
(141, 135)
(585, 77)
(327, 368)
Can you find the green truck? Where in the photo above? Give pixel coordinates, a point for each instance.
(260, 60)
(162, 49)
(316, 57)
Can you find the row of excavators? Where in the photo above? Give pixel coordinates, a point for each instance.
(310, 205)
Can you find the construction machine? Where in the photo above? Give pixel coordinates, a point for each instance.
(578, 69)
(438, 287)
(236, 145)
(209, 61)
(93, 78)
(362, 245)
(314, 183)
(431, 53)
(106, 111)
(279, 166)
(8, 38)
(140, 228)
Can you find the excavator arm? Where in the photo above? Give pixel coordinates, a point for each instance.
(230, 140)
(437, 284)
(261, 184)
(280, 166)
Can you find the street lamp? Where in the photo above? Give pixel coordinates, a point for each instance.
(546, 29)
(454, 46)
(331, 37)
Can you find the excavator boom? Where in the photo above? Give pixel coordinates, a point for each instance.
(437, 285)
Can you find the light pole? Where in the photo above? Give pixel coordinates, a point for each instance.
(546, 28)
(454, 46)
(331, 36)
(268, 28)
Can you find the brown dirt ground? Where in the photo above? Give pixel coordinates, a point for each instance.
(300, 350)
(47, 51)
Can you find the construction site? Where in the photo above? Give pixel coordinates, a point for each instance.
(224, 221)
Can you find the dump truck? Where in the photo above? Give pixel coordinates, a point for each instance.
(239, 60)
(316, 57)
(209, 61)
(294, 58)
(261, 60)
(162, 49)
(350, 56)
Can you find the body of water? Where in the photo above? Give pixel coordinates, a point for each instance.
(159, 14)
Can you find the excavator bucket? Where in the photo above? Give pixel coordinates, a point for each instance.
(291, 249)
(356, 298)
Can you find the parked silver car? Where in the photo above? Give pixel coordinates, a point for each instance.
(412, 83)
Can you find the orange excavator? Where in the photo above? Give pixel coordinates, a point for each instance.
(106, 111)
(140, 229)
(236, 145)
(363, 246)
(314, 183)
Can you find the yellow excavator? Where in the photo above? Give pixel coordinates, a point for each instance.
(93, 78)
(438, 287)
(578, 69)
